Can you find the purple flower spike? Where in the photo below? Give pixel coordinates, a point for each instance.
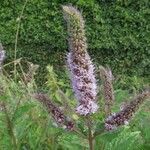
(80, 64)
(125, 115)
(55, 111)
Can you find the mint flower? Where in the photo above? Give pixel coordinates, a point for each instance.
(107, 78)
(80, 64)
(56, 113)
(124, 116)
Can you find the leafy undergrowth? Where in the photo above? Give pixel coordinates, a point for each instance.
(25, 125)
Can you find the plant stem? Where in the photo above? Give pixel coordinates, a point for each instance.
(10, 127)
(90, 138)
(90, 135)
(17, 34)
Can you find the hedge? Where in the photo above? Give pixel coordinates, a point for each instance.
(118, 32)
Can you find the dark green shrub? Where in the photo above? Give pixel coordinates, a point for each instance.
(117, 32)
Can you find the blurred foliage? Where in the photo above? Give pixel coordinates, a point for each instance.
(117, 33)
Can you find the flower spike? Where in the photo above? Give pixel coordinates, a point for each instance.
(56, 113)
(80, 64)
(124, 116)
(107, 78)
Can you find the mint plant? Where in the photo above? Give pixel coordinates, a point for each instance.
(85, 88)
(84, 85)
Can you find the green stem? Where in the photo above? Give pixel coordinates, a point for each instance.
(90, 135)
(90, 139)
(10, 128)
(17, 34)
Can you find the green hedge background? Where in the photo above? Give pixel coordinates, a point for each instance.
(118, 32)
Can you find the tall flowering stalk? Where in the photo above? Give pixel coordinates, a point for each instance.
(80, 64)
(107, 78)
(123, 117)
